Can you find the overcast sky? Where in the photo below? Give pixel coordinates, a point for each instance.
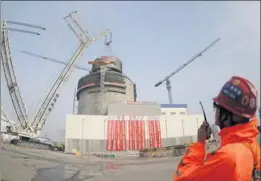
(151, 38)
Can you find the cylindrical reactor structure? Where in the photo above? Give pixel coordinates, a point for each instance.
(118, 87)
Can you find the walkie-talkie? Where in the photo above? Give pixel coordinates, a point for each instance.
(208, 129)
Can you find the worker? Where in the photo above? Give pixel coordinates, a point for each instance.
(238, 157)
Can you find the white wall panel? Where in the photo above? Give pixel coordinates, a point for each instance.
(94, 127)
(170, 111)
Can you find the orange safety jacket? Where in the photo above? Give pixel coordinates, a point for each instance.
(233, 161)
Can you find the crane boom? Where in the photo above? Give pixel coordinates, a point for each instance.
(53, 60)
(10, 77)
(52, 96)
(12, 85)
(166, 79)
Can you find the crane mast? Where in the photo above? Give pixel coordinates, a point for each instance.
(166, 79)
(9, 73)
(52, 96)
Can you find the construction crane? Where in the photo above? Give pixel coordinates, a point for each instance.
(51, 98)
(103, 68)
(166, 79)
(10, 77)
(54, 60)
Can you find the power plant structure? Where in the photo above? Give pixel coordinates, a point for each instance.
(118, 87)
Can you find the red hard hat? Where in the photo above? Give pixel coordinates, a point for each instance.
(239, 96)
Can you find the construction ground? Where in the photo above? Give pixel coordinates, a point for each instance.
(42, 165)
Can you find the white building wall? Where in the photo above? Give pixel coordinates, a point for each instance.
(94, 129)
(173, 111)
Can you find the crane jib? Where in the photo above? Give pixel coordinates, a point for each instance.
(166, 79)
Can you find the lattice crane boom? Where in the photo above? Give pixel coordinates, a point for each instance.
(52, 96)
(12, 85)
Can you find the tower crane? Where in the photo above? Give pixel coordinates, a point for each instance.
(103, 68)
(54, 60)
(10, 77)
(51, 98)
(166, 79)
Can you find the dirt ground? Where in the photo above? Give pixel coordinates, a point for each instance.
(40, 165)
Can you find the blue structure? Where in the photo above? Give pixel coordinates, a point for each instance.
(174, 106)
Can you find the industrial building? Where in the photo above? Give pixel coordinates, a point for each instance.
(110, 119)
(117, 87)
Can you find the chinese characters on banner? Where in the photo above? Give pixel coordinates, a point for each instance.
(136, 134)
(154, 133)
(116, 135)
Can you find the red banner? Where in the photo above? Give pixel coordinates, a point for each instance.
(136, 123)
(154, 133)
(134, 135)
(143, 138)
(123, 135)
(157, 122)
(109, 136)
(114, 144)
(117, 140)
(136, 130)
(150, 134)
(130, 135)
(139, 134)
(116, 135)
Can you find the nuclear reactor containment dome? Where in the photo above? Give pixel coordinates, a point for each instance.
(117, 85)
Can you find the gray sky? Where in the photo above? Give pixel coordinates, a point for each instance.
(151, 38)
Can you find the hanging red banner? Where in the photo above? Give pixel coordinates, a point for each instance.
(143, 138)
(133, 135)
(114, 145)
(123, 135)
(158, 133)
(120, 136)
(109, 136)
(150, 124)
(130, 135)
(117, 135)
(136, 124)
(154, 134)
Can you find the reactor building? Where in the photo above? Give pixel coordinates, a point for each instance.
(118, 87)
(125, 125)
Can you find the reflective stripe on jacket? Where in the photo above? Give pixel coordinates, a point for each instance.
(233, 161)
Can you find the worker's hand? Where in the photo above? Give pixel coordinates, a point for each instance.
(202, 134)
